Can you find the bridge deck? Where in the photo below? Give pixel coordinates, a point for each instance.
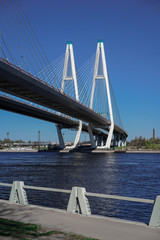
(93, 226)
(10, 104)
(21, 84)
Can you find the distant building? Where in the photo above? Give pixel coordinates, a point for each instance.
(153, 133)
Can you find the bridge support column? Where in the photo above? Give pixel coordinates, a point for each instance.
(114, 141)
(93, 144)
(109, 138)
(60, 137)
(96, 140)
(99, 141)
(119, 141)
(124, 143)
(78, 135)
(102, 141)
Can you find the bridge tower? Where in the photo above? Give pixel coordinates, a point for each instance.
(69, 74)
(100, 53)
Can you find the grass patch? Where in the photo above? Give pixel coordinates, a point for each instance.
(20, 230)
(26, 231)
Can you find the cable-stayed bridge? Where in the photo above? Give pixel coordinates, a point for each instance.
(44, 89)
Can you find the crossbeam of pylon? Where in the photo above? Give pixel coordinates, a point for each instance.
(69, 52)
(101, 53)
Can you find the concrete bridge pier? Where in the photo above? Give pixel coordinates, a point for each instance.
(60, 137)
(78, 135)
(119, 140)
(96, 140)
(100, 141)
(123, 142)
(93, 143)
(115, 140)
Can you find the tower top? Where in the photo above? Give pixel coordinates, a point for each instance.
(69, 42)
(99, 42)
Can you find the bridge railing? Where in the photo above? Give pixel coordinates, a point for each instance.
(78, 202)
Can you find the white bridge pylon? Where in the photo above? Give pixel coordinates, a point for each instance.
(96, 77)
(69, 56)
(69, 59)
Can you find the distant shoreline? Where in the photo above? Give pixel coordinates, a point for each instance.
(143, 151)
(127, 151)
(93, 151)
(11, 150)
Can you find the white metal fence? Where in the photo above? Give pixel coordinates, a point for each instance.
(78, 202)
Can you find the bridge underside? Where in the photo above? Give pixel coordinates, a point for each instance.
(12, 105)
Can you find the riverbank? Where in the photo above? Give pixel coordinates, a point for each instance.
(124, 151)
(98, 227)
(18, 150)
(143, 151)
(85, 150)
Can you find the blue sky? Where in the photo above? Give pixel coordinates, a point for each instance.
(130, 31)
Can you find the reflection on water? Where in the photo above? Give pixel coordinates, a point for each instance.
(134, 175)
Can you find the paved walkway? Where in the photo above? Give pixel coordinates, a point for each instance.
(94, 226)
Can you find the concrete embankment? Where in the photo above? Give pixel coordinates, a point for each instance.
(18, 150)
(143, 151)
(94, 226)
(83, 151)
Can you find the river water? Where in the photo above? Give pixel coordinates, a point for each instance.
(125, 174)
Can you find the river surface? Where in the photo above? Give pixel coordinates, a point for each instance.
(125, 174)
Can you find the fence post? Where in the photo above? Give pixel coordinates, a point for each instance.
(18, 194)
(155, 217)
(78, 203)
(83, 202)
(72, 204)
